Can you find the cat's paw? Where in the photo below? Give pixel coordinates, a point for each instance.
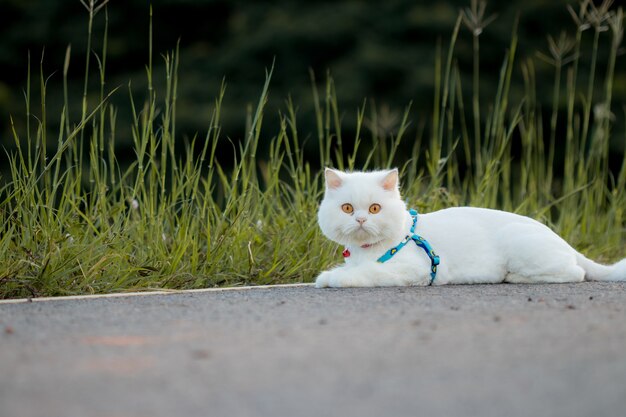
(333, 278)
(323, 280)
(340, 278)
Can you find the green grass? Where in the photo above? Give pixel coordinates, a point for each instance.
(75, 220)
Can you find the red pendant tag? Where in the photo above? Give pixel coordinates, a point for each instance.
(346, 253)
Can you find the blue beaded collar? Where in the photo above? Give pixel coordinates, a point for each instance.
(419, 241)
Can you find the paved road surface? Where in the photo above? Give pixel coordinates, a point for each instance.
(500, 350)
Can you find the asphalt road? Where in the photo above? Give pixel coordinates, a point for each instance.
(482, 350)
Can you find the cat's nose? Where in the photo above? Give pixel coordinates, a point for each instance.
(361, 220)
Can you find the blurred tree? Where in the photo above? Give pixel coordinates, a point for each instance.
(382, 51)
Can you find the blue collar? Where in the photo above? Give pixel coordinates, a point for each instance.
(419, 241)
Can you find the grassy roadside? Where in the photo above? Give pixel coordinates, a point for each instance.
(74, 220)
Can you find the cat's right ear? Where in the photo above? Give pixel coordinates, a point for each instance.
(333, 179)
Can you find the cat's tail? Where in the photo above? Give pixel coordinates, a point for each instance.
(598, 272)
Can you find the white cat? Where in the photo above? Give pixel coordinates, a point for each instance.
(364, 212)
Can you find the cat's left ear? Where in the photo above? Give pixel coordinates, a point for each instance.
(333, 179)
(390, 181)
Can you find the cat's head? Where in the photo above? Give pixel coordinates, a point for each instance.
(361, 208)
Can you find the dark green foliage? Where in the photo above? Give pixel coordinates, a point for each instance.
(173, 180)
(383, 51)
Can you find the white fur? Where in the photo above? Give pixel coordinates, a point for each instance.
(475, 245)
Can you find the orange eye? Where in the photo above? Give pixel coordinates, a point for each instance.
(375, 208)
(347, 208)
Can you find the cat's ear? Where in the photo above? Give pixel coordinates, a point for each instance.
(390, 180)
(333, 179)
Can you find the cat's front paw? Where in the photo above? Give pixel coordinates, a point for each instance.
(324, 279)
(337, 278)
(334, 278)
